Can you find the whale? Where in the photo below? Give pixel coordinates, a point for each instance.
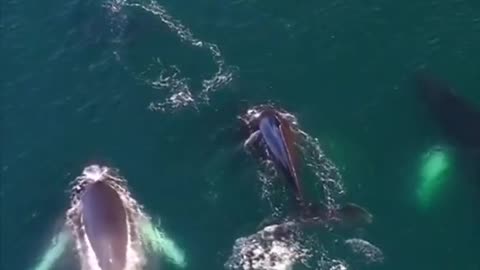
(458, 118)
(271, 131)
(105, 220)
(107, 229)
(318, 215)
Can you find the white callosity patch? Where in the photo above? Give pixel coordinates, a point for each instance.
(335, 265)
(180, 92)
(275, 247)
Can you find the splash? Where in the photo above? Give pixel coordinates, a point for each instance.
(281, 246)
(335, 264)
(180, 93)
(144, 238)
(275, 247)
(170, 78)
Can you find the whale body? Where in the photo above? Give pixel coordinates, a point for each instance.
(278, 138)
(105, 220)
(458, 118)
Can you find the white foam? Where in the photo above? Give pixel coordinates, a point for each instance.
(263, 250)
(94, 172)
(366, 250)
(181, 94)
(326, 172)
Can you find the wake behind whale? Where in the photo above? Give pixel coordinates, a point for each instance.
(178, 90)
(107, 229)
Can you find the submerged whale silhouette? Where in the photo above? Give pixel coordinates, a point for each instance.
(272, 130)
(105, 220)
(458, 118)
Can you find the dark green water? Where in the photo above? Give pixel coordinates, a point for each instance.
(78, 77)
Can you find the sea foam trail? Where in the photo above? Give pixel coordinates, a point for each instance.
(180, 92)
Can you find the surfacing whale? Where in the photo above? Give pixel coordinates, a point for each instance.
(106, 225)
(271, 130)
(106, 228)
(102, 219)
(459, 120)
(273, 133)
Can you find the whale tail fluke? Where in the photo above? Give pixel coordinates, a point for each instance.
(348, 215)
(353, 215)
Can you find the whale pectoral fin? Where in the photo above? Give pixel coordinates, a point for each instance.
(268, 221)
(252, 140)
(159, 242)
(54, 251)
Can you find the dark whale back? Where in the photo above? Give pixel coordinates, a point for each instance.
(280, 142)
(459, 119)
(271, 133)
(105, 223)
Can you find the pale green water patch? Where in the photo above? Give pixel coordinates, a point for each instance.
(435, 171)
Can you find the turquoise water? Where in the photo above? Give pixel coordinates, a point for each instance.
(79, 79)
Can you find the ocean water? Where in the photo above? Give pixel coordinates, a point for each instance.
(155, 89)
